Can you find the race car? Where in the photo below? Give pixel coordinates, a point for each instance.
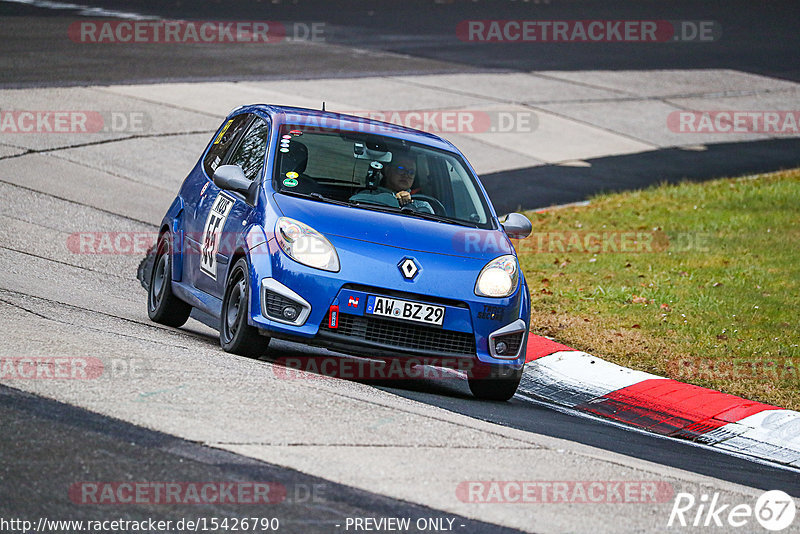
(356, 235)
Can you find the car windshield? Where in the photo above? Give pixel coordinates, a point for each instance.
(377, 172)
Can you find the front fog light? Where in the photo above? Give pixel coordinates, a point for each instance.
(498, 278)
(305, 245)
(500, 347)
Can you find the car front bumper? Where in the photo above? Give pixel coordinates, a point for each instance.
(472, 326)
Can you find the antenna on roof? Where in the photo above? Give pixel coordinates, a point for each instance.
(323, 105)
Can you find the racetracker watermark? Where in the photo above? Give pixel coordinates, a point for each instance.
(115, 243)
(564, 492)
(432, 121)
(50, 368)
(194, 31)
(588, 31)
(328, 367)
(141, 243)
(736, 368)
(599, 242)
(462, 121)
(194, 524)
(774, 510)
(73, 122)
(735, 121)
(212, 492)
(71, 368)
(464, 241)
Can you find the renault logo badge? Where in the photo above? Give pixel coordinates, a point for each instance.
(409, 268)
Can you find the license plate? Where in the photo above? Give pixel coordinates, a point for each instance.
(405, 310)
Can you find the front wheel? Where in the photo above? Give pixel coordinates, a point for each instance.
(494, 382)
(162, 304)
(235, 335)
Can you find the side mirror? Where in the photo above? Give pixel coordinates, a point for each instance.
(232, 178)
(517, 226)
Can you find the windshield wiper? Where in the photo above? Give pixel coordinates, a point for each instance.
(433, 217)
(354, 203)
(316, 196)
(406, 210)
(323, 198)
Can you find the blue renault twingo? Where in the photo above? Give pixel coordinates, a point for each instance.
(347, 233)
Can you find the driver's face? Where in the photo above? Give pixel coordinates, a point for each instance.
(401, 173)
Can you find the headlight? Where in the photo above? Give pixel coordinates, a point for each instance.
(498, 278)
(305, 245)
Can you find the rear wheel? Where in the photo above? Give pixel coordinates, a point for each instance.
(235, 335)
(494, 382)
(162, 305)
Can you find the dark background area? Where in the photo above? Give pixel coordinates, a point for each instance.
(757, 37)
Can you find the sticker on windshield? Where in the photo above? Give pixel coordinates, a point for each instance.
(290, 182)
(224, 129)
(284, 150)
(215, 222)
(215, 163)
(292, 174)
(296, 132)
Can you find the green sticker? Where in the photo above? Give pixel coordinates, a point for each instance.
(292, 174)
(290, 182)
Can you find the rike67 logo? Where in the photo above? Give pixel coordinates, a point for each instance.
(774, 510)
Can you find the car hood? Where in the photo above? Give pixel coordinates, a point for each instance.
(401, 231)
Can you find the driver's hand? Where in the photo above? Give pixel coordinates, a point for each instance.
(403, 197)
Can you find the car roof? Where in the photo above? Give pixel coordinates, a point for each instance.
(324, 119)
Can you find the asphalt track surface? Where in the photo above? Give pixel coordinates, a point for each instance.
(756, 37)
(46, 445)
(42, 436)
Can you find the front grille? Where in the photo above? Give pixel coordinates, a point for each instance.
(512, 340)
(402, 335)
(275, 304)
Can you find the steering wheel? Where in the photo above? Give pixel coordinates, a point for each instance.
(438, 207)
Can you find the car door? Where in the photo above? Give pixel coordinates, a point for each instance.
(196, 207)
(226, 213)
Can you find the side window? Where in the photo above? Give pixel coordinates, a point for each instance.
(249, 155)
(223, 142)
(466, 196)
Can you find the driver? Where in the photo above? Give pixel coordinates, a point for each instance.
(395, 187)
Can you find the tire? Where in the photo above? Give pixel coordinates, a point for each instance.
(494, 382)
(162, 304)
(235, 335)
